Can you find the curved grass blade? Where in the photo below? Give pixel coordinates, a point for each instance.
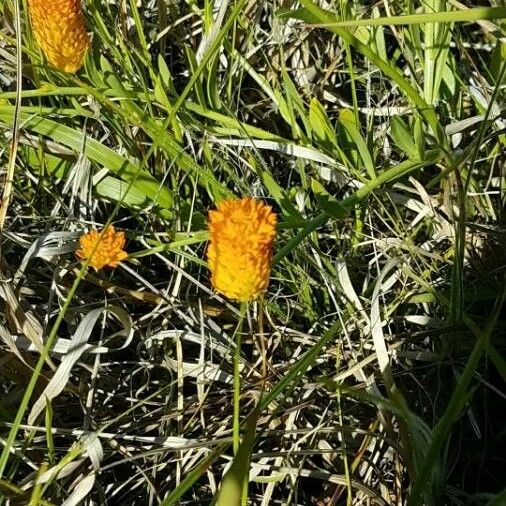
(143, 182)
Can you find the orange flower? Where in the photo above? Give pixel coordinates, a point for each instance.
(107, 253)
(240, 249)
(60, 31)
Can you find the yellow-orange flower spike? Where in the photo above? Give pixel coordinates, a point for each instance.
(240, 248)
(108, 253)
(60, 32)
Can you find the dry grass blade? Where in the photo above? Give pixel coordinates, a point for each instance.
(375, 131)
(76, 349)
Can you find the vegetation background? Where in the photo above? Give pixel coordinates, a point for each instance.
(380, 143)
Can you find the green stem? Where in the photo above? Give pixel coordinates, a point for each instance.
(237, 379)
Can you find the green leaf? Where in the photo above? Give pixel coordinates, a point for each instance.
(326, 202)
(403, 138)
(141, 180)
(497, 59)
(498, 500)
(275, 190)
(295, 101)
(321, 126)
(347, 120)
(379, 38)
(234, 486)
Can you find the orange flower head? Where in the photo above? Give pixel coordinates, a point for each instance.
(60, 32)
(105, 248)
(240, 248)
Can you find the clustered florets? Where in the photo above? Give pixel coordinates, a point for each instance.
(102, 249)
(240, 249)
(242, 233)
(60, 32)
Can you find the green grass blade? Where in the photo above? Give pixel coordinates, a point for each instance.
(468, 15)
(143, 182)
(318, 15)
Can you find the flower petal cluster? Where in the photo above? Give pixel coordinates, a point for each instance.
(60, 32)
(242, 233)
(103, 249)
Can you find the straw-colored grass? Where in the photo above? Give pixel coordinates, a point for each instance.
(372, 371)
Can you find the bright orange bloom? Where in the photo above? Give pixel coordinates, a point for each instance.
(60, 31)
(108, 253)
(240, 249)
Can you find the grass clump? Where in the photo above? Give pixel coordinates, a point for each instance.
(372, 369)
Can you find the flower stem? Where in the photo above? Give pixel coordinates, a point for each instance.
(237, 378)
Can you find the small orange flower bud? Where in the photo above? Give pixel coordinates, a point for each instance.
(60, 31)
(108, 252)
(240, 249)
